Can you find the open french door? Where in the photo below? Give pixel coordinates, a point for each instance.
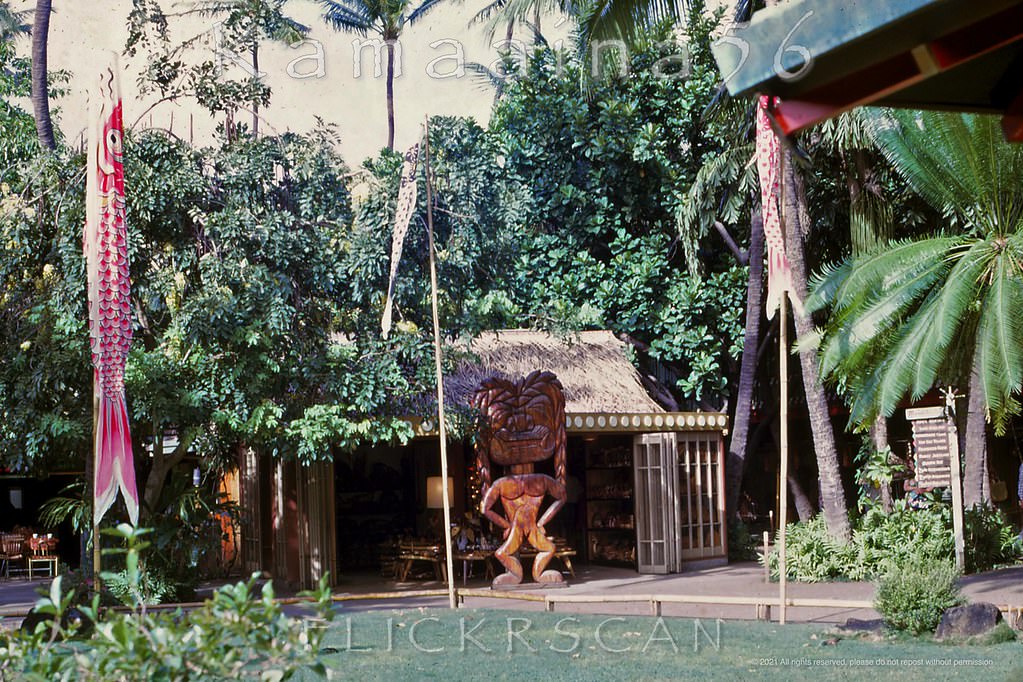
(655, 461)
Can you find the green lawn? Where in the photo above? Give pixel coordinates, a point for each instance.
(501, 644)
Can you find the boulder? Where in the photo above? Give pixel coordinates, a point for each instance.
(961, 622)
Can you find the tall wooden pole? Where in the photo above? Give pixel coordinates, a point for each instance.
(783, 415)
(783, 492)
(440, 379)
(91, 485)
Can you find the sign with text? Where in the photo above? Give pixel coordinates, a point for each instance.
(931, 433)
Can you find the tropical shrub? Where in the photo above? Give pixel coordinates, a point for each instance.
(150, 588)
(811, 554)
(913, 595)
(880, 540)
(989, 538)
(238, 633)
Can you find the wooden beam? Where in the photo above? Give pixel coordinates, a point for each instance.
(889, 76)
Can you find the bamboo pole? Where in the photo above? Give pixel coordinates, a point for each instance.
(783, 431)
(441, 424)
(783, 493)
(91, 485)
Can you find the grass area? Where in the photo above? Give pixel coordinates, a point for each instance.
(428, 644)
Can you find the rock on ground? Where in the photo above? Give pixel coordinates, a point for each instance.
(960, 622)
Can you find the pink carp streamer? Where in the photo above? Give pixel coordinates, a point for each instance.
(779, 274)
(106, 255)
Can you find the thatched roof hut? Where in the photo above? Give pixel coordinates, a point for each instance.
(603, 390)
(593, 368)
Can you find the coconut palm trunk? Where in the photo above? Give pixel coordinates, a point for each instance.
(832, 492)
(975, 479)
(40, 87)
(390, 94)
(737, 447)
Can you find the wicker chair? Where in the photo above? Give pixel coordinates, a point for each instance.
(11, 549)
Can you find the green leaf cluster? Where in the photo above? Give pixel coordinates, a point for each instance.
(922, 312)
(241, 632)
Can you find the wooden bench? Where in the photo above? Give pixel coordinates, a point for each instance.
(561, 551)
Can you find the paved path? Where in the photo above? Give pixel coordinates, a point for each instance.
(1002, 587)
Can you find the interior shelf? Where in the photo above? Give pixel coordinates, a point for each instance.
(611, 532)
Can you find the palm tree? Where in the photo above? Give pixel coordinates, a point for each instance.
(625, 19)
(386, 18)
(871, 218)
(12, 23)
(40, 87)
(943, 309)
(796, 213)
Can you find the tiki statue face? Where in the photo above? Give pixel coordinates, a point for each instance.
(524, 421)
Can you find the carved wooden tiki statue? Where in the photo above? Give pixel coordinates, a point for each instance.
(522, 422)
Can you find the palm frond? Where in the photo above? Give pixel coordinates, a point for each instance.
(423, 9)
(881, 312)
(289, 31)
(824, 286)
(350, 16)
(952, 307)
(1000, 341)
(957, 162)
(485, 78)
(717, 192)
(625, 19)
(13, 24)
(875, 272)
(870, 222)
(900, 366)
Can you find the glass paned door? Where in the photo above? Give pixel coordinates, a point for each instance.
(700, 492)
(654, 467)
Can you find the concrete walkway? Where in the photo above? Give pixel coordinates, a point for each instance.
(1003, 587)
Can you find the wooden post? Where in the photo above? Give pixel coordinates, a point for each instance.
(767, 565)
(91, 485)
(783, 488)
(957, 486)
(442, 427)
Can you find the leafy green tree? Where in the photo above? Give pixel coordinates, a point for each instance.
(607, 176)
(940, 309)
(478, 220)
(190, 69)
(240, 301)
(244, 23)
(386, 19)
(44, 374)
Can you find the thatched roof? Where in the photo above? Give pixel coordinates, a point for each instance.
(592, 366)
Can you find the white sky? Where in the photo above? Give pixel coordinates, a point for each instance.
(82, 32)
